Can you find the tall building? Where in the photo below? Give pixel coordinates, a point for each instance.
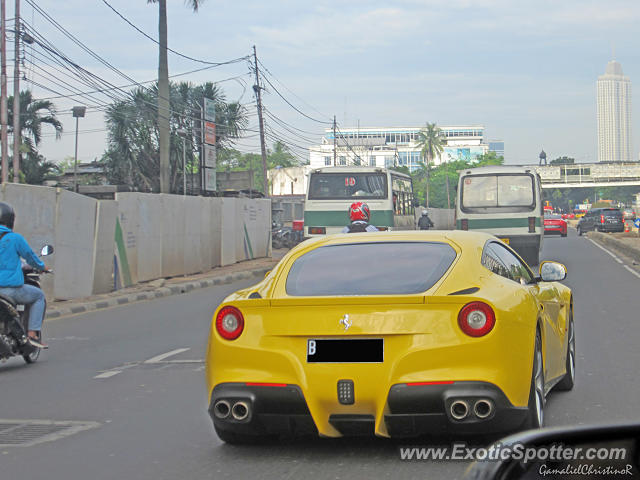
(395, 146)
(614, 115)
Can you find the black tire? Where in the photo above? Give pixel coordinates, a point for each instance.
(32, 357)
(563, 235)
(535, 417)
(234, 438)
(568, 381)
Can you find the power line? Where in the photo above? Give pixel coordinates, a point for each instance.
(290, 91)
(213, 64)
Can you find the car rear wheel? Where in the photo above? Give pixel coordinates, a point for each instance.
(563, 234)
(568, 380)
(536, 392)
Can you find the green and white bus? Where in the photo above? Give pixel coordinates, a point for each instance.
(504, 201)
(332, 190)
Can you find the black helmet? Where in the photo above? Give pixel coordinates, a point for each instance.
(7, 215)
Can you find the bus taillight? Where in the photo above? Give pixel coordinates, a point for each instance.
(532, 224)
(317, 231)
(464, 224)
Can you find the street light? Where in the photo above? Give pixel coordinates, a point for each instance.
(78, 112)
(183, 133)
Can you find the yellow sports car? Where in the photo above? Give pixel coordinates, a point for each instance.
(393, 334)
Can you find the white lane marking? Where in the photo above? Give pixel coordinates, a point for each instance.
(108, 374)
(161, 357)
(610, 253)
(632, 271)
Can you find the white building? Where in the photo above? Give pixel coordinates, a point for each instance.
(394, 146)
(614, 115)
(288, 181)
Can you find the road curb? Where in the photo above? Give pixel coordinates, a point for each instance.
(166, 291)
(622, 247)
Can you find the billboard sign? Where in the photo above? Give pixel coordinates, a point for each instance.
(209, 110)
(209, 133)
(210, 156)
(210, 179)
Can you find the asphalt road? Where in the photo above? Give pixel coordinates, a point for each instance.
(132, 376)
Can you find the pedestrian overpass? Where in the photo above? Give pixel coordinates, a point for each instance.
(579, 175)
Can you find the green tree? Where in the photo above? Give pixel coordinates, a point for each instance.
(34, 115)
(163, 111)
(443, 195)
(278, 156)
(431, 142)
(133, 153)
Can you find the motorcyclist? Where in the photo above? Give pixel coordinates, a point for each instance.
(359, 215)
(425, 222)
(12, 247)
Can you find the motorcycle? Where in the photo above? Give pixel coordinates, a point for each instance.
(14, 319)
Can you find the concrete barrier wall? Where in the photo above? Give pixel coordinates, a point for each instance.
(150, 216)
(126, 238)
(104, 246)
(74, 245)
(151, 236)
(229, 240)
(35, 209)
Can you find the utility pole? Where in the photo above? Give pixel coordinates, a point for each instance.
(3, 92)
(16, 97)
(335, 142)
(263, 147)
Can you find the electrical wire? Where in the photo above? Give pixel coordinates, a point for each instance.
(213, 64)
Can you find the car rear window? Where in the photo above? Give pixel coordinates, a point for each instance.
(377, 268)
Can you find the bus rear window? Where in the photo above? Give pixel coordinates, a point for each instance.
(377, 268)
(498, 191)
(347, 185)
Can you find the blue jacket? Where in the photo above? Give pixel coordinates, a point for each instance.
(12, 247)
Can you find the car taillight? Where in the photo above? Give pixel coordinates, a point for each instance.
(464, 224)
(229, 323)
(383, 229)
(532, 224)
(317, 230)
(601, 218)
(476, 319)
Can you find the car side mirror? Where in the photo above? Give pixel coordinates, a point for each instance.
(552, 271)
(556, 452)
(46, 250)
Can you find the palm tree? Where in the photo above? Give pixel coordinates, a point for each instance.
(163, 90)
(34, 114)
(431, 141)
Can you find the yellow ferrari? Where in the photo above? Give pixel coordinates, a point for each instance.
(393, 334)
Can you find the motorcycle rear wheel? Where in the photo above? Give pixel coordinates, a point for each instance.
(32, 357)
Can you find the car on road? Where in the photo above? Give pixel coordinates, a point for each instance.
(554, 224)
(629, 214)
(394, 334)
(601, 220)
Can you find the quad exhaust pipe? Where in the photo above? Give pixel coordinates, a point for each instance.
(240, 411)
(459, 409)
(483, 408)
(222, 409)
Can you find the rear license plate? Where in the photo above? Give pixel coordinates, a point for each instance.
(505, 240)
(345, 351)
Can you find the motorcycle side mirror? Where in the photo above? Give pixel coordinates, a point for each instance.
(46, 250)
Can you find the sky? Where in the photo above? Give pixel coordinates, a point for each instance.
(526, 70)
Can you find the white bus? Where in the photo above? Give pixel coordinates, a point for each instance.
(332, 190)
(505, 201)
